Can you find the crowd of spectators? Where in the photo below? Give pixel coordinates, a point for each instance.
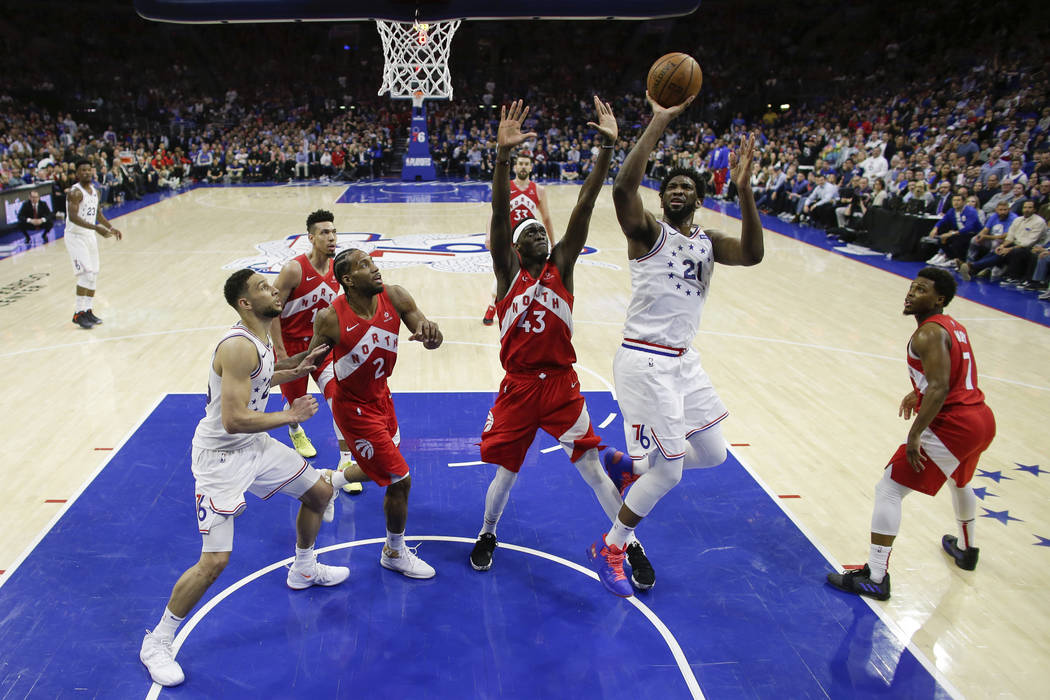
(891, 119)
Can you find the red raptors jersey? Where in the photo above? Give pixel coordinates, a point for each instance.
(524, 204)
(535, 322)
(962, 377)
(315, 292)
(366, 352)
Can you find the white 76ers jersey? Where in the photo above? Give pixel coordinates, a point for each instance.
(668, 288)
(87, 211)
(210, 433)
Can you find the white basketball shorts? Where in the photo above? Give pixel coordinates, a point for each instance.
(83, 252)
(663, 400)
(263, 468)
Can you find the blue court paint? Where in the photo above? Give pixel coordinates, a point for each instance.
(738, 585)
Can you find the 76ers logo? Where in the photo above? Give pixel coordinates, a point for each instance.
(364, 448)
(444, 252)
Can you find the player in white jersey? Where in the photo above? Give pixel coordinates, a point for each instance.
(84, 218)
(232, 453)
(671, 412)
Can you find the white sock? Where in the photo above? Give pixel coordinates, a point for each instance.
(338, 480)
(345, 457)
(619, 534)
(395, 540)
(879, 562)
(168, 625)
(296, 429)
(83, 303)
(304, 558)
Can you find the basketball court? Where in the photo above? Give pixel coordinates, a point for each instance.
(806, 350)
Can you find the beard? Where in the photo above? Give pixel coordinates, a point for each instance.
(271, 312)
(680, 216)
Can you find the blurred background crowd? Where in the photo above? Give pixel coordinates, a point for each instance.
(853, 107)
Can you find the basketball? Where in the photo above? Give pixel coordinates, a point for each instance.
(673, 79)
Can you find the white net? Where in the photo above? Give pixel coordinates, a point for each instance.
(416, 58)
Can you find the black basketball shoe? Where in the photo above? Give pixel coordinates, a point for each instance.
(81, 319)
(964, 558)
(93, 318)
(481, 555)
(859, 582)
(642, 575)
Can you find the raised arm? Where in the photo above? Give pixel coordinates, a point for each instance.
(509, 135)
(545, 213)
(635, 221)
(749, 249)
(568, 249)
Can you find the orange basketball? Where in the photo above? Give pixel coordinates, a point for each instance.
(673, 79)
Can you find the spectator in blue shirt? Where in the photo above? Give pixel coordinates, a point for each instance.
(953, 232)
(994, 231)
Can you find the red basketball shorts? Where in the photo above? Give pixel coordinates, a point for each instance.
(951, 447)
(323, 375)
(371, 431)
(550, 400)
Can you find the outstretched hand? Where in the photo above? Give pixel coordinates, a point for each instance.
(311, 360)
(606, 121)
(671, 112)
(740, 162)
(429, 334)
(509, 132)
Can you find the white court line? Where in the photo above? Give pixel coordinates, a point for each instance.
(548, 450)
(465, 464)
(897, 631)
(96, 341)
(608, 419)
(669, 639)
(72, 499)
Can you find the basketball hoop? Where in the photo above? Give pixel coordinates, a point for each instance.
(416, 59)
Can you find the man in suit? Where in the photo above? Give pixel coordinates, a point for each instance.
(942, 201)
(35, 214)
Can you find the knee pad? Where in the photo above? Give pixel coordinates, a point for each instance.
(87, 280)
(886, 515)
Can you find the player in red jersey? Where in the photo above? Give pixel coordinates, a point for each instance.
(362, 328)
(528, 200)
(306, 285)
(535, 296)
(952, 427)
